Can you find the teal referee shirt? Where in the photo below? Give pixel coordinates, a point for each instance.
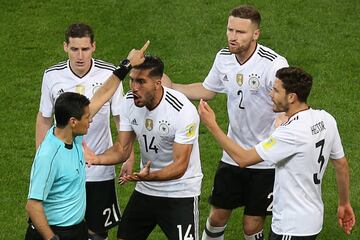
(58, 180)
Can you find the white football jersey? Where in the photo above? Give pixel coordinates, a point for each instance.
(247, 86)
(300, 150)
(174, 120)
(60, 78)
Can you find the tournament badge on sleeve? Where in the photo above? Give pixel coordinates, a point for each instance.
(80, 89)
(239, 79)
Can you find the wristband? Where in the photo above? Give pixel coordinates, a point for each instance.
(123, 69)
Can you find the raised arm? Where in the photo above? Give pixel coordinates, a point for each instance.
(346, 216)
(243, 157)
(194, 91)
(105, 92)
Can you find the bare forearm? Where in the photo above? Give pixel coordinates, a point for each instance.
(43, 124)
(103, 94)
(194, 91)
(37, 215)
(114, 155)
(240, 155)
(343, 182)
(170, 172)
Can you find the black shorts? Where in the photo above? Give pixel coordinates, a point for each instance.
(75, 232)
(175, 216)
(102, 210)
(274, 236)
(236, 187)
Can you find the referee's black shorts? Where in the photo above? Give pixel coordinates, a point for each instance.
(74, 232)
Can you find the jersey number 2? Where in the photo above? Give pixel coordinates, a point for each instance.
(321, 160)
(241, 94)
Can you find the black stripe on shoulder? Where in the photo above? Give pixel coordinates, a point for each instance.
(103, 63)
(55, 69)
(104, 67)
(58, 65)
(225, 53)
(270, 54)
(264, 56)
(173, 101)
(177, 108)
(129, 95)
(225, 50)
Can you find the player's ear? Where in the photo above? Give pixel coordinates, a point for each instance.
(256, 34)
(65, 47)
(94, 46)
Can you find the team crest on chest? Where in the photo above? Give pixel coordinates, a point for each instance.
(149, 124)
(164, 128)
(95, 86)
(254, 82)
(239, 79)
(80, 89)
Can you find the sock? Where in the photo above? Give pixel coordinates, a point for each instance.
(213, 233)
(256, 236)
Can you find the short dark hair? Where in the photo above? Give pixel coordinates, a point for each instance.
(155, 64)
(79, 30)
(246, 12)
(296, 80)
(69, 105)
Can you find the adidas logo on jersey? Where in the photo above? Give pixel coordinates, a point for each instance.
(225, 79)
(133, 122)
(60, 91)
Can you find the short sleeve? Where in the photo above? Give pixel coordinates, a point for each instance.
(125, 124)
(279, 62)
(280, 145)
(337, 150)
(213, 81)
(46, 99)
(187, 126)
(43, 173)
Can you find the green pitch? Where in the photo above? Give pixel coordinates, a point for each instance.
(322, 36)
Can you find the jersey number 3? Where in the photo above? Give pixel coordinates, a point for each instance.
(321, 161)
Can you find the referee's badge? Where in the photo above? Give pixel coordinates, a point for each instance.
(149, 124)
(80, 89)
(239, 79)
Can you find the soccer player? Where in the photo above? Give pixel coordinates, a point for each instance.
(245, 72)
(299, 150)
(165, 123)
(56, 200)
(83, 74)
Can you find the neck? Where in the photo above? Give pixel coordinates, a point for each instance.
(245, 55)
(64, 134)
(78, 72)
(157, 98)
(296, 108)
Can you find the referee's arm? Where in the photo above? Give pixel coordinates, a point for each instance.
(35, 210)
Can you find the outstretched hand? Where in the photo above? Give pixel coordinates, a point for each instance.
(137, 176)
(90, 157)
(137, 57)
(207, 115)
(346, 218)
